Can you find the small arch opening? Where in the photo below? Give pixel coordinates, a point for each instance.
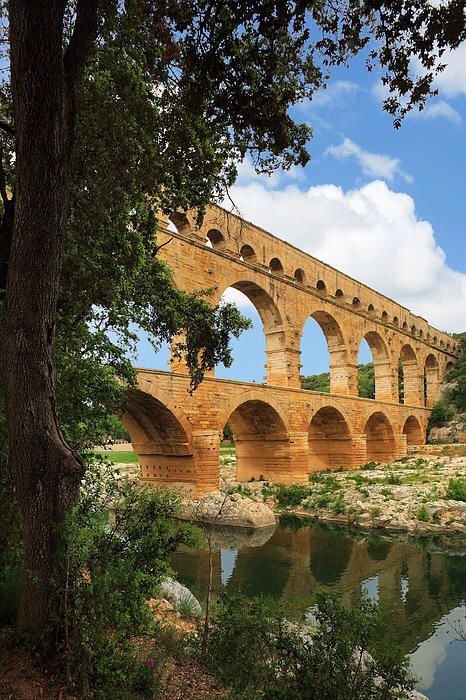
(396, 322)
(300, 275)
(370, 308)
(216, 239)
(247, 253)
(321, 286)
(356, 302)
(384, 317)
(276, 267)
(339, 294)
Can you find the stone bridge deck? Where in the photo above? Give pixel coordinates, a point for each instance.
(281, 433)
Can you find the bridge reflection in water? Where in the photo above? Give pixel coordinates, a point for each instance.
(418, 583)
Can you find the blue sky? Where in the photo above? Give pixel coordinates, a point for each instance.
(387, 207)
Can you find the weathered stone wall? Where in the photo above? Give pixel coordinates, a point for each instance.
(282, 432)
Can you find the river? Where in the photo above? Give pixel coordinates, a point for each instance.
(422, 582)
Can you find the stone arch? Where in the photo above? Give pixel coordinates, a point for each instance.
(396, 322)
(413, 431)
(216, 238)
(356, 302)
(181, 222)
(161, 437)
(261, 438)
(247, 253)
(371, 309)
(300, 275)
(340, 378)
(271, 318)
(330, 444)
(410, 377)
(380, 440)
(339, 294)
(404, 326)
(431, 380)
(382, 366)
(276, 267)
(449, 366)
(321, 286)
(384, 316)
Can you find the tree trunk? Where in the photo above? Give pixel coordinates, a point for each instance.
(47, 472)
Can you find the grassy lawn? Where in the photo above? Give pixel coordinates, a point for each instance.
(128, 457)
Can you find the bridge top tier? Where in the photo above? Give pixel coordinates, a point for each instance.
(226, 234)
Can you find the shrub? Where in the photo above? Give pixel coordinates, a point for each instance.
(440, 414)
(456, 489)
(369, 466)
(288, 496)
(422, 514)
(392, 479)
(258, 654)
(114, 567)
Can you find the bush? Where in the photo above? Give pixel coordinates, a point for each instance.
(258, 654)
(288, 496)
(440, 414)
(422, 514)
(114, 567)
(456, 489)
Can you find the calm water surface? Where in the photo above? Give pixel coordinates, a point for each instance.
(423, 582)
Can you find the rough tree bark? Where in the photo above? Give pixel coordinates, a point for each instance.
(47, 471)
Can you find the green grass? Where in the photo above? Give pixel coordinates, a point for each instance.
(123, 457)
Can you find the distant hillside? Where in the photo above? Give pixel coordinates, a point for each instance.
(447, 422)
(321, 382)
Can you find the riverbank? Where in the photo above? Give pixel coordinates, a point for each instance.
(422, 493)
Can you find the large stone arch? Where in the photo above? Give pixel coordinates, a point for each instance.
(413, 431)
(380, 439)
(330, 443)
(431, 380)
(161, 437)
(341, 377)
(383, 374)
(261, 435)
(411, 386)
(272, 324)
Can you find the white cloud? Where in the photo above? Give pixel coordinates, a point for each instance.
(452, 81)
(334, 93)
(371, 233)
(374, 164)
(439, 108)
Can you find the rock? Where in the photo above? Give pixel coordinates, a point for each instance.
(215, 508)
(179, 596)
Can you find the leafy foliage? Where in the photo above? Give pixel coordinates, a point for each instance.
(456, 489)
(112, 570)
(440, 414)
(457, 375)
(257, 653)
(321, 382)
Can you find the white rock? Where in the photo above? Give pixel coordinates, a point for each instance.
(178, 595)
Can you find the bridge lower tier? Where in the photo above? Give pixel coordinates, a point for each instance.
(281, 434)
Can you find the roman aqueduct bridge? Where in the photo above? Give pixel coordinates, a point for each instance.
(282, 432)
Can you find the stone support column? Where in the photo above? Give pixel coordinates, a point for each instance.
(359, 449)
(299, 457)
(400, 447)
(206, 449)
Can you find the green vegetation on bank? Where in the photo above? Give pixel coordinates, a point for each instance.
(257, 653)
